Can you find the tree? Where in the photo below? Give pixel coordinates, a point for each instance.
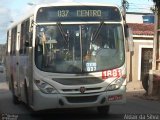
(157, 3)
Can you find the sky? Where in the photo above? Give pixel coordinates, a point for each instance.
(12, 10)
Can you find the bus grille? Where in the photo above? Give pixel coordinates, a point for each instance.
(78, 81)
(82, 99)
(97, 89)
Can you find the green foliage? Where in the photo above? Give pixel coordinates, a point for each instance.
(157, 2)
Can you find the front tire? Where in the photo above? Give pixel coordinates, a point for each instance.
(145, 83)
(104, 110)
(26, 93)
(15, 99)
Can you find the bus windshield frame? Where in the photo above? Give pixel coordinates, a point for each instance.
(67, 42)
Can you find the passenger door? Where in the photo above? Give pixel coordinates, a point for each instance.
(18, 61)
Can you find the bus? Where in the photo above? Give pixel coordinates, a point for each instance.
(68, 56)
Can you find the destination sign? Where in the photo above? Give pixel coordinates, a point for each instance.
(78, 13)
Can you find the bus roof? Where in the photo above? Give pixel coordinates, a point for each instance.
(75, 4)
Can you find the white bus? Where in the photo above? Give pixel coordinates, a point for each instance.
(68, 56)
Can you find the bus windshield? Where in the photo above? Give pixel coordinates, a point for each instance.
(79, 48)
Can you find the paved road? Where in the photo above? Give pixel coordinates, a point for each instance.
(136, 108)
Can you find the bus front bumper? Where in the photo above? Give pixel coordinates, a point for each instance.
(43, 101)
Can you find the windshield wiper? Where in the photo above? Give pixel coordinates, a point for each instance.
(97, 31)
(62, 32)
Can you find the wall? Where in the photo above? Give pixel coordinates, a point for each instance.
(139, 44)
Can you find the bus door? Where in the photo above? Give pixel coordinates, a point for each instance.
(17, 65)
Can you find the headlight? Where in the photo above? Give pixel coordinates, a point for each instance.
(116, 84)
(45, 87)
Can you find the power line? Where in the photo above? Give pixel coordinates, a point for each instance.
(138, 4)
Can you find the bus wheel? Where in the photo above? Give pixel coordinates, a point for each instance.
(26, 93)
(145, 81)
(104, 110)
(14, 97)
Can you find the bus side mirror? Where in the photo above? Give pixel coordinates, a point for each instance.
(27, 43)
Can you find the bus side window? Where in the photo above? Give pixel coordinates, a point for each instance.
(25, 36)
(7, 46)
(13, 40)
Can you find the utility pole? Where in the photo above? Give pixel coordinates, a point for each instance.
(124, 9)
(154, 74)
(125, 6)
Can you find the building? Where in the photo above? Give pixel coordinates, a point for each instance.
(140, 61)
(133, 17)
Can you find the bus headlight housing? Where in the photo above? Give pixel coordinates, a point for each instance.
(45, 87)
(116, 84)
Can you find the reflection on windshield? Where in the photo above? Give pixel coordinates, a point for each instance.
(79, 48)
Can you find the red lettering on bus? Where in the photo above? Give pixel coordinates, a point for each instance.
(111, 73)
